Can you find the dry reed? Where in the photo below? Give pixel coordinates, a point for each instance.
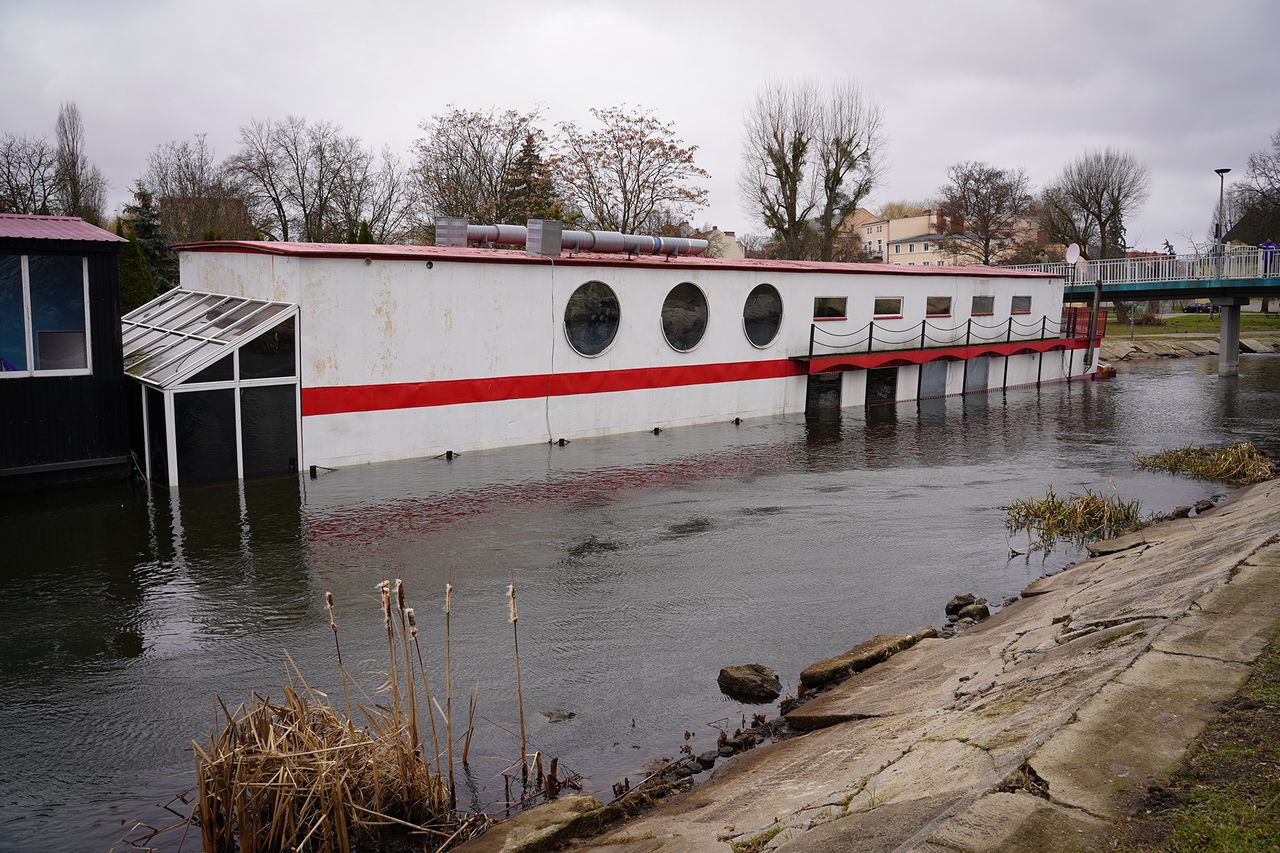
(1240, 464)
(515, 632)
(448, 686)
(1079, 519)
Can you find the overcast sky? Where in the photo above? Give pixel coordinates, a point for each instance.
(1186, 86)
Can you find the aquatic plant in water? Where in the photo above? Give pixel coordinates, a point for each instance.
(1240, 464)
(1077, 518)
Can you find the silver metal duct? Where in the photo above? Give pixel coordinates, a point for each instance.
(573, 241)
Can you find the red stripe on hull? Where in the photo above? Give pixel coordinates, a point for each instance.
(415, 395)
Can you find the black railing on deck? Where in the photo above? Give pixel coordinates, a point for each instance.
(1073, 324)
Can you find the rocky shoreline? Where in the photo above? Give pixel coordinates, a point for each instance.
(1113, 350)
(1034, 727)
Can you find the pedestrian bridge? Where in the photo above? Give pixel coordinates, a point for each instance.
(1228, 278)
(1235, 272)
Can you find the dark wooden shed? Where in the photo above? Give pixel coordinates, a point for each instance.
(62, 387)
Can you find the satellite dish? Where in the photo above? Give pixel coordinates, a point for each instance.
(1073, 253)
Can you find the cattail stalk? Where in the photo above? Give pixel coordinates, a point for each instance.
(448, 686)
(410, 689)
(426, 685)
(515, 633)
(471, 724)
(337, 647)
(393, 674)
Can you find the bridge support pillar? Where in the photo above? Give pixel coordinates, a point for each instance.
(1229, 338)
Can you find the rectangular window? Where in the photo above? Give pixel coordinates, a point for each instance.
(938, 306)
(888, 306)
(983, 306)
(13, 322)
(897, 249)
(924, 247)
(44, 315)
(939, 263)
(911, 248)
(830, 308)
(1021, 305)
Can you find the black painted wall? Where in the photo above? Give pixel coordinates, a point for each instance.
(46, 421)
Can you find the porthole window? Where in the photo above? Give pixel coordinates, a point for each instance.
(684, 316)
(591, 318)
(762, 315)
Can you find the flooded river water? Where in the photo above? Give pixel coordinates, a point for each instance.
(643, 563)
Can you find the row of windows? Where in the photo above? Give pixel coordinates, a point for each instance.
(884, 307)
(44, 315)
(911, 247)
(593, 314)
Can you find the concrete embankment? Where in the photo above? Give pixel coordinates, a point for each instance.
(1179, 346)
(1036, 729)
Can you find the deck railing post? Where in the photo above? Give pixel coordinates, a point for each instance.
(1008, 336)
(813, 328)
(968, 330)
(1044, 326)
(871, 334)
(923, 325)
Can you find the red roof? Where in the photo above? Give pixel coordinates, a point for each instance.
(514, 256)
(26, 226)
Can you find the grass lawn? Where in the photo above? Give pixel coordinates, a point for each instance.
(1201, 323)
(1226, 794)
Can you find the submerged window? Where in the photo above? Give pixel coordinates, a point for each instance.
(830, 308)
(938, 306)
(762, 315)
(591, 318)
(983, 305)
(888, 306)
(43, 314)
(1021, 305)
(684, 316)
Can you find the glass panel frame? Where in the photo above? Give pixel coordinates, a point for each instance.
(831, 308)
(592, 319)
(982, 305)
(1020, 305)
(685, 316)
(937, 306)
(887, 307)
(762, 313)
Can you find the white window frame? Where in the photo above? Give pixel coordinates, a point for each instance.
(31, 371)
(895, 316)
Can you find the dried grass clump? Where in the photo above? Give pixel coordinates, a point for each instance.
(298, 775)
(1078, 519)
(1240, 464)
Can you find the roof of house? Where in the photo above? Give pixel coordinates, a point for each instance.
(26, 226)
(360, 251)
(920, 238)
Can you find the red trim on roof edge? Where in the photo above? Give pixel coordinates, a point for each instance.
(507, 256)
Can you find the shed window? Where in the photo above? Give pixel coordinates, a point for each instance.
(983, 305)
(830, 308)
(44, 315)
(591, 318)
(270, 354)
(938, 306)
(762, 315)
(888, 306)
(684, 316)
(1021, 305)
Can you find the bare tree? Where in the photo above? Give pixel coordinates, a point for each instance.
(1263, 184)
(28, 175)
(376, 193)
(1091, 201)
(984, 210)
(81, 187)
(196, 195)
(463, 161)
(631, 173)
(811, 156)
(292, 174)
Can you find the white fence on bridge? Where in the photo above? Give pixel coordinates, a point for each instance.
(1232, 264)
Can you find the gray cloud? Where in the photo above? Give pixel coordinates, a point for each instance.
(1185, 86)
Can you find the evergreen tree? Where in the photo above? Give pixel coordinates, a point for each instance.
(137, 287)
(529, 191)
(154, 241)
(365, 235)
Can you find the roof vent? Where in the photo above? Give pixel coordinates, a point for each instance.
(545, 238)
(451, 231)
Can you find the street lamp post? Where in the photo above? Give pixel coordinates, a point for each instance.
(1219, 231)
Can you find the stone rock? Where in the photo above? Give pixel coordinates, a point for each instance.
(976, 612)
(1181, 511)
(725, 751)
(543, 827)
(1204, 505)
(862, 656)
(708, 758)
(558, 715)
(958, 602)
(752, 682)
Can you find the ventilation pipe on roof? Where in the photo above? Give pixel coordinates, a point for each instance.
(451, 231)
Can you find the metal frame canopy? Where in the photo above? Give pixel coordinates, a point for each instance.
(179, 333)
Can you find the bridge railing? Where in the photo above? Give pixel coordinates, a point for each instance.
(1231, 264)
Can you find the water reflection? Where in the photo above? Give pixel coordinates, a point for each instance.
(645, 563)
